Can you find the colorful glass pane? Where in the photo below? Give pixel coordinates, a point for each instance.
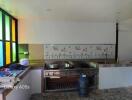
(1, 53)
(7, 27)
(13, 30)
(14, 52)
(0, 25)
(8, 53)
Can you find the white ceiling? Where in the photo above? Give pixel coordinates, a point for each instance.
(70, 10)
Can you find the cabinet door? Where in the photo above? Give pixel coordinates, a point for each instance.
(36, 81)
(21, 93)
(1, 97)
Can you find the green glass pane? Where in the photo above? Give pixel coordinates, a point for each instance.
(0, 25)
(23, 48)
(7, 27)
(1, 53)
(14, 52)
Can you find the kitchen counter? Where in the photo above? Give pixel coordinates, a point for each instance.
(30, 83)
(5, 92)
(115, 75)
(115, 65)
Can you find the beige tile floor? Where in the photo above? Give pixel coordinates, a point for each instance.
(111, 94)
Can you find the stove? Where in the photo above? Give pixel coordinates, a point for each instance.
(62, 78)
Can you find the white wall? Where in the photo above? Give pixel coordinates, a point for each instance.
(125, 40)
(64, 32)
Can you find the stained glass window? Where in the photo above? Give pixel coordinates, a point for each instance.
(0, 25)
(7, 27)
(8, 53)
(14, 52)
(1, 53)
(8, 39)
(13, 30)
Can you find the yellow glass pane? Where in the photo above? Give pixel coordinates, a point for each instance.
(8, 52)
(13, 30)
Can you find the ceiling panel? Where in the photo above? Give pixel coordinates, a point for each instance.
(72, 10)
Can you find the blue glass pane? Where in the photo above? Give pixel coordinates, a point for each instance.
(1, 53)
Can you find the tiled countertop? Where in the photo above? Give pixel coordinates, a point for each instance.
(115, 65)
(20, 76)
